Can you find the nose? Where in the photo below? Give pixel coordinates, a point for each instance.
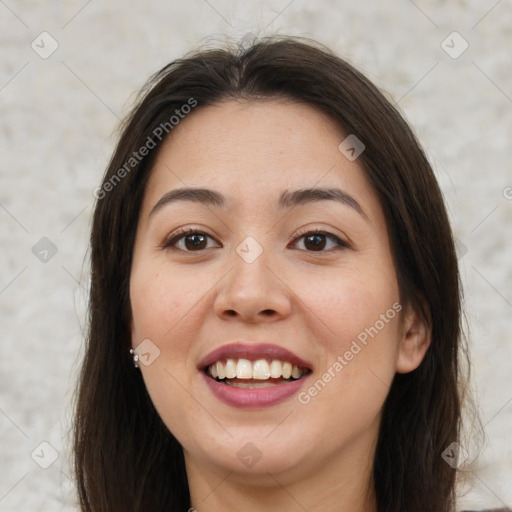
(252, 293)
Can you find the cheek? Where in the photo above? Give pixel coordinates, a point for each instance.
(354, 382)
(350, 300)
(169, 308)
(164, 310)
(161, 302)
(356, 314)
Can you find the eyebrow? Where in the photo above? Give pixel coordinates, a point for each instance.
(288, 199)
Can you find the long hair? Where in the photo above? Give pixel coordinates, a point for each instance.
(125, 458)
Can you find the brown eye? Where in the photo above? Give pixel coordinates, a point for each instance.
(318, 241)
(315, 242)
(195, 241)
(190, 241)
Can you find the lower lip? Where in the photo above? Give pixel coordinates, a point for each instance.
(253, 398)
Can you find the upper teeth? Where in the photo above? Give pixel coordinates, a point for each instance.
(260, 369)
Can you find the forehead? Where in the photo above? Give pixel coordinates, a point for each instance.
(252, 151)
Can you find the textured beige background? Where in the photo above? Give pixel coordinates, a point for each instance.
(57, 117)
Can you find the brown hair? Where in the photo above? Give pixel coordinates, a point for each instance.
(125, 457)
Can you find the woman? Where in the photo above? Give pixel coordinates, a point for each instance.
(275, 303)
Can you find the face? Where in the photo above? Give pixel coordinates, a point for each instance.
(285, 261)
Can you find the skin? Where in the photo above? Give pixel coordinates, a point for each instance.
(314, 456)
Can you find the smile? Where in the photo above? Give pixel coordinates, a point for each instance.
(253, 375)
(243, 373)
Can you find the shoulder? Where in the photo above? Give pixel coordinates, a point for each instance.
(491, 510)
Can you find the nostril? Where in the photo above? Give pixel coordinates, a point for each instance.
(268, 312)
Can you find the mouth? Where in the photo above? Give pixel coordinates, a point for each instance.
(253, 376)
(261, 373)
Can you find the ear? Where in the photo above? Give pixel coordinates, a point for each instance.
(131, 326)
(415, 341)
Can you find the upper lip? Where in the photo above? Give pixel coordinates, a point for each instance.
(252, 352)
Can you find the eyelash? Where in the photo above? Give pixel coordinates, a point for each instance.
(183, 232)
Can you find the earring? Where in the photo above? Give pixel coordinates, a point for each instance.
(135, 358)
